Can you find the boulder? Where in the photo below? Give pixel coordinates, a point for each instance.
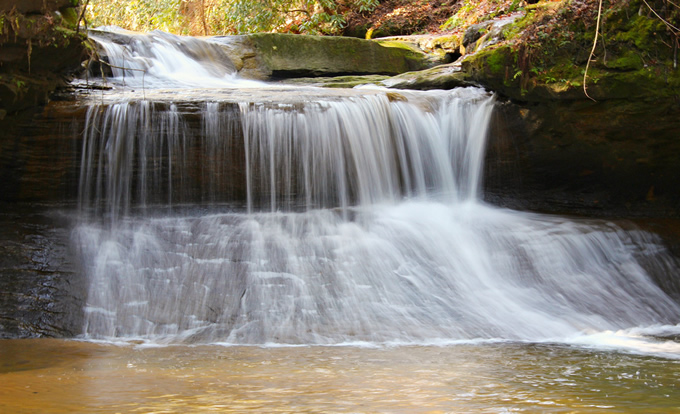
(473, 34)
(290, 56)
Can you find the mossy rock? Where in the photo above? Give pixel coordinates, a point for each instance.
(495, 68)
(288, 55)
(39, 47)
(70, 17)
(440, 77)
(627, 62)
(615, 155)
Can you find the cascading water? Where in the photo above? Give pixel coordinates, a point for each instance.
(163, 60)
(315, 152)
(301, 216)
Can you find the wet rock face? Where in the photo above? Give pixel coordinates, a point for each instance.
(40, 291)
(41, 294)
(612, 159)
(39, 157)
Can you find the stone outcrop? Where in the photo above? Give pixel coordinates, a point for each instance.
(286, 55)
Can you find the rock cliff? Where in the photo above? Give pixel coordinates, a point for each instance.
(614, 151)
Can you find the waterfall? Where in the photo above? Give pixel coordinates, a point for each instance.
(163, 60)
(364, 149)
(299, 216)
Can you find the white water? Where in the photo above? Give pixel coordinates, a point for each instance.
(360, 222)
(163, 60)
(335, 151)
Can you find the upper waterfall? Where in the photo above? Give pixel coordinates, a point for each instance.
(163, 60)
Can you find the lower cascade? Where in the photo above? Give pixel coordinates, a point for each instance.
(299, 216)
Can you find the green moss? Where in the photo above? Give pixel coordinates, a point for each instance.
(459, 19)
(629, 61)
(563, 71)
(65, 32)
(516, 5)
(303, 55)
(514, 29)
(496, 63)
(544, 53)
(639, 30)
(450, 39)
(70, 17)
(495, 68)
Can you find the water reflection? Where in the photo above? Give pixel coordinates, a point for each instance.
(65, 376)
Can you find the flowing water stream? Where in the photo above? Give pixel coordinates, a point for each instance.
(341, 235)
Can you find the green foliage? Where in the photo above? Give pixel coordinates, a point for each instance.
(226, 16)
(460, 18)
(70, 17)
(366, 6)
(252, 15)
(142, 15)
(475, 11)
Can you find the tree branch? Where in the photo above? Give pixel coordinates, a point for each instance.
(82, 16)
(673, 29)
(592, 51)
